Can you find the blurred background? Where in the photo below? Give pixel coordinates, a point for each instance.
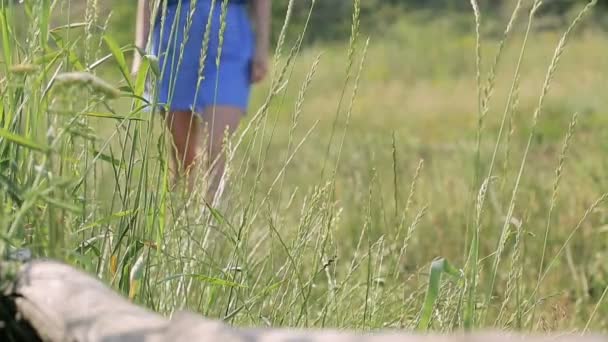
(330, 21)
(370, 162)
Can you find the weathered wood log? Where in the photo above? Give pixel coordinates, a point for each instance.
(60, 303)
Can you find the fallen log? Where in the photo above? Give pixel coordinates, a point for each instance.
(53, 302)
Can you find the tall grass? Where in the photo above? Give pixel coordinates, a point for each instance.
(314, 224)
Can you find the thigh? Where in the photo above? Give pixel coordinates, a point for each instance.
(221, 119)
(183, 125)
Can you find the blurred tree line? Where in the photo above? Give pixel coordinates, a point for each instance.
(331, 18)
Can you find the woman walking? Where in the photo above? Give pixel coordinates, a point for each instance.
(198, 96)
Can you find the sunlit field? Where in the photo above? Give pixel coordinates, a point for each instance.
(423, 177)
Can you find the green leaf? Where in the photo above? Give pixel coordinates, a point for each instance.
(107, 219)
(62, 205)
(44, 22)
(69, 26)
(68, 50)
(438, 267)
(154, 64)
(119, 57)
(142, 75)
(99, 61)
(6, 44)
(112, 116)
(89, 245)
(107, 158)
(48, 57)
(20, 140)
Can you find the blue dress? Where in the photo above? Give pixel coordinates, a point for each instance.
(182, 86)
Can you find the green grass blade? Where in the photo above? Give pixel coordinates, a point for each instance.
(154, 64)
(107, 158)
(20, 140)
(438, 268)
(112, 116)
(119, 57)
(11, 188)
(62, 204)
(203, 278)
(6, 44)
(108, 219)
(44, 22)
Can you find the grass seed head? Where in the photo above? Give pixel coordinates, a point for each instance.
(79, 79)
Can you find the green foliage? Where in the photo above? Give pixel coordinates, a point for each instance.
(331, 217)
(330, 20)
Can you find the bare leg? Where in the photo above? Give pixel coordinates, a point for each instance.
(186, 151)
(218, 120)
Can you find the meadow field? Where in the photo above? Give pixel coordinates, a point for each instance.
(424, 177)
